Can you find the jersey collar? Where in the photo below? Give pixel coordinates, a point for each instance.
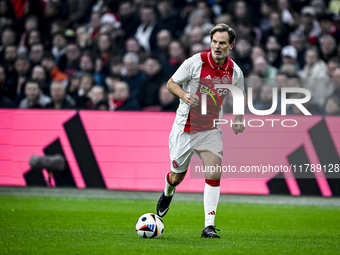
(216, 66)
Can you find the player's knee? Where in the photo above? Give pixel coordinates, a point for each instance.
(213, 175)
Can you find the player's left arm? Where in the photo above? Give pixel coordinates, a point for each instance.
(238, 126)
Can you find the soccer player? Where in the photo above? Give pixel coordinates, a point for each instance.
(194, 132)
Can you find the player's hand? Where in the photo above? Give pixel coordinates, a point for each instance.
(238, 128)
(191, 99)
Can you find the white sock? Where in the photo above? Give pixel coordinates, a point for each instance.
(169, 189)
(210, 200)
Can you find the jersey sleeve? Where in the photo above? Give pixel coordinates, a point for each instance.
(187, 70)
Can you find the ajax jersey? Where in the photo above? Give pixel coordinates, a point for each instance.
(199, 75)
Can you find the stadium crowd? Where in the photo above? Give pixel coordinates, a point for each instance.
(118, 55)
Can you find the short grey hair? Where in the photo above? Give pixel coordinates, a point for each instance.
(131, 55)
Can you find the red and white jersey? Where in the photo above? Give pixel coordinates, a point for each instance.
(199, 75)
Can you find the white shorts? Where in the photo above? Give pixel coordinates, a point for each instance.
(183, 145)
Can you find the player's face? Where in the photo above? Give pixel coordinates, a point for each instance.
(220, 45)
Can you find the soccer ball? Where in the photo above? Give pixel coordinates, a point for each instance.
(149, 225)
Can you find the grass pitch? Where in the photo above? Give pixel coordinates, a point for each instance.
(80, 225)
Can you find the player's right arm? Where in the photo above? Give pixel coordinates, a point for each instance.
(176, 89)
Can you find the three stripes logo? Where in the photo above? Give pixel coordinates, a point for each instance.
(306, 181)
(151, 226)
(212, 213)
(83, 153)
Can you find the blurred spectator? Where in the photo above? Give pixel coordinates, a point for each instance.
(128, 18)
(289, 56)
(7, 15)
(265, 101)
(264, 69)
(148, 93)
(328, 27)
(257, 52)
(34, 96)
(84, 40)
(10, 55)
(196, 36)
(298, 42)
(87, 65)
(22, 69)
(273, 48)
(282, 79)
(60, 100)
(31, 23)
(309, 26)
(240, 11)
(120, 98)
(87, 82)
(169, 17)
(73, 85)
(48, 62)
(288, 15)
(33, 36)
(319, 7)
(168, 101)
(116, 66)
(164, 38)
(315, 76)
(7, 38)
(57, 26)
(265, 8)
(94, 25)
(97, 95)
(2, 79)
(69, 63)
(332, 65)
(332, 106)
(254, 81)
(246, 29)
(36, 53)
(243, 49)
(146, 32)
(198, 18)
(197, 48)
(134, 77)
(78, 11)
(93, 40)
(102, 105)
(336, 82)
(53, 11)
(327, 47)
(132, 45)
(176, 57)
(39, 73)
(5, 102)
(104, 47)
(59, 44)
(277, 28)
(111, 26)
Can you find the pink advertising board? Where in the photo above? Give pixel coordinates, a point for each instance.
(131, 148)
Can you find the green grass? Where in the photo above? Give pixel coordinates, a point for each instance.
(63, 225)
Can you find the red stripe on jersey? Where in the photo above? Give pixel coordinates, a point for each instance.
(211, 74)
